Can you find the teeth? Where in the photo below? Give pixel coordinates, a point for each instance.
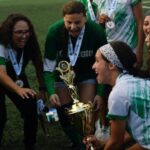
(147, 40)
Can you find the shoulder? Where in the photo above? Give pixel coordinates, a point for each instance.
(119, 101)
(122, 86)
(56, 26)
(3, 51)
(90, 23)
(93, 27)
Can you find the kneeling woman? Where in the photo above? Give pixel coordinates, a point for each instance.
(129, 100)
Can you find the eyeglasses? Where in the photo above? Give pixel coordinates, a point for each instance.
(22, 32)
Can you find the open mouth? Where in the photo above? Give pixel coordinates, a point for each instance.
(147, 40)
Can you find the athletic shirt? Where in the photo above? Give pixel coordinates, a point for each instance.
(125, 23)
(130, 100)
(93, 38)
(5, 60)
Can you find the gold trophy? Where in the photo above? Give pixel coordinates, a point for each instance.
(80, 113)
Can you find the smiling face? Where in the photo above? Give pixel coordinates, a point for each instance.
(20, 34)
(74, 23)
(146, 28)
(101, 68)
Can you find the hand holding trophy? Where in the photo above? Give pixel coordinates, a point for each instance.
(80, 113)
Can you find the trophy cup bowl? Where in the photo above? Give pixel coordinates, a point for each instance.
(81, 114)
(82, 118)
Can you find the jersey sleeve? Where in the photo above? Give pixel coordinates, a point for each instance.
(2, 55)
(49, 79)
(52, 40)
(118, 104)
(50, 56)
(100, 90)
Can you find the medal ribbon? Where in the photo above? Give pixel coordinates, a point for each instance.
(73, 53)
(17, 67)
(91, 12)
(111, 6)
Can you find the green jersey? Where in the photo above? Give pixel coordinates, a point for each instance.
(56, 49)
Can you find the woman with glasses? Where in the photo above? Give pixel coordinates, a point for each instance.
(18, 45)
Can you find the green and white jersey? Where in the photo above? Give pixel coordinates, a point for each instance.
(125, 24)
(130, 100)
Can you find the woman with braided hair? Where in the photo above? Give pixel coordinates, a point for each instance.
(129, 100)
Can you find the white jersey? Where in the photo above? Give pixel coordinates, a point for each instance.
(130, 100)
(125, 24)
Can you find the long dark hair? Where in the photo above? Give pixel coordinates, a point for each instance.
(6, 31)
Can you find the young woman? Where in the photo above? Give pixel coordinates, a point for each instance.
(75, 40)
(18, 45)
(129, 100)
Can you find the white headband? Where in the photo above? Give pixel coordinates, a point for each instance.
(110, 55)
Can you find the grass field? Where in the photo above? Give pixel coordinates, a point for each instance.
(42, 13)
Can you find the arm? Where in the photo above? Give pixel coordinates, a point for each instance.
(117, 135)
(38, 64)
(12, 86)
(137, 11)
(50, 56)
(49, 82)
(100, 89)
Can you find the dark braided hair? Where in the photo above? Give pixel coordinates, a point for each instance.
(125, 55)
(127, 58)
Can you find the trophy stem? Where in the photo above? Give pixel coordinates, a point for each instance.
(80, 113)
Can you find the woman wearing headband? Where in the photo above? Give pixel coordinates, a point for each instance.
(129, 100)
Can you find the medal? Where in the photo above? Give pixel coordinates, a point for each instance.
(111, 7)
(64, 66)
(74, 52)
(17, 66)
(110, 24)
(19, 83)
